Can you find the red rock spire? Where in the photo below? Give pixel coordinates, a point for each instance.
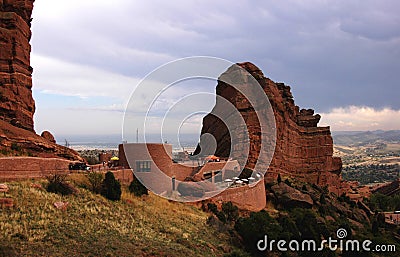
(16, 102)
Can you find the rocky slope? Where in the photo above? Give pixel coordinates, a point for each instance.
(303, 150)
(17, 141)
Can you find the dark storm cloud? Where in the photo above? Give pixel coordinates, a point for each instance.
(332, 53)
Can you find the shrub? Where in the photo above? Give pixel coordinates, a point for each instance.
(380, 202)
(95, 180)
(15, 147)
(4, 152)
(212, 207)
(375, 227)
(58, 184)
(323, 210)
(221, 216)
(111, 188)
(279, 179)
(322, 199)
(137, 188)
(230, 211)
(255, 227)
(92, 160)
(306, 222)
(289, 228)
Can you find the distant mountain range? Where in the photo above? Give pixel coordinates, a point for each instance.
(360, 138)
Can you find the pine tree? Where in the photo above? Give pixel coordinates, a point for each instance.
(111, 188)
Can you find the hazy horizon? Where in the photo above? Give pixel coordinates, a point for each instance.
(185, 139)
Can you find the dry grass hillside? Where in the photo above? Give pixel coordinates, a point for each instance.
(94, 226)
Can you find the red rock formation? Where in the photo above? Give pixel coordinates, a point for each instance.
(18, 141)
(47, 135)
(16, 106)
(303, 150)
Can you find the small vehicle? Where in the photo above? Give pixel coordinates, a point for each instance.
(78, 166)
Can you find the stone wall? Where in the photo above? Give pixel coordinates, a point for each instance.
(16, 168)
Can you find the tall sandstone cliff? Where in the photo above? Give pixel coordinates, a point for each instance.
(17, 107)
(303, 150)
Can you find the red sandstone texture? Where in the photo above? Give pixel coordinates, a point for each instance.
(47, 135)
(17, 107)
(249, 197)
(303, 150)
(18, 141)
(21, 168)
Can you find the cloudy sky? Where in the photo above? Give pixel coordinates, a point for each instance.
(341, 58)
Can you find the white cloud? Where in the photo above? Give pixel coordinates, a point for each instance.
(78, 122)
(101, 48)
(55, 76)
(358, 118)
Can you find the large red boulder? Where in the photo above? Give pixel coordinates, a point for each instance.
(47, 135)
(303, 150)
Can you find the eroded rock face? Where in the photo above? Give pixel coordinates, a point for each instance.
(22, 142)
(303, 150)
(16, 103)
(17, 107)
(291, 197)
